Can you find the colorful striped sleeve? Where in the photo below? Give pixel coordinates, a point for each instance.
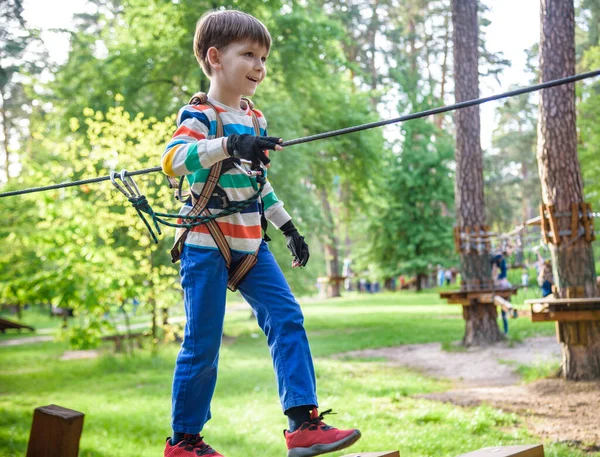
(273, 207)
(190, 149)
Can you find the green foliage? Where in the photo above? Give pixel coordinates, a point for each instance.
(589, 131)
(410, 228)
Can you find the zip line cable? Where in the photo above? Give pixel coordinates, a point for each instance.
(344, 131)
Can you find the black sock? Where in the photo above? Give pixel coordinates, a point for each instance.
(297, 416)
(176, 438)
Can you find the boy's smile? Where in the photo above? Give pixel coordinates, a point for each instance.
(239, 69)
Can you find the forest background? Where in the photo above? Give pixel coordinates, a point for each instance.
(385, 201)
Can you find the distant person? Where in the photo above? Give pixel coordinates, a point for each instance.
(440, 276)
(501, 281)
(545, 277)
(347, 274)
(525, 278)
(448, 276)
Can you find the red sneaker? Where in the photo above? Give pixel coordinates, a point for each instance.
(315, 437)
(190, 446)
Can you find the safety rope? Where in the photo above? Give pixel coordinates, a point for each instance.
(321, 136)
(139, 201)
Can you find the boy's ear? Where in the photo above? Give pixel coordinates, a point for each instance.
(214, 57)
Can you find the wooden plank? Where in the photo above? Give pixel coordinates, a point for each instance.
(55, 432)
(566, 316)
(553, 225)
(482, 298)
(566, 301)
(503, 303)
(574, 221)
(535, 450)
(585, 221)
(375, 454)
(544, 223)
(457, 242)
(558, 328)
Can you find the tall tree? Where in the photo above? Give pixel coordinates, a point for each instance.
(17, 61)
(481, 324)
(562, 184)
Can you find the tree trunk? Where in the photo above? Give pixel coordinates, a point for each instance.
(481, 320)
(332, 260)
(562, 184)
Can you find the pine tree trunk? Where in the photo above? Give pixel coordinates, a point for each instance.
(481, 323)
(562, 184)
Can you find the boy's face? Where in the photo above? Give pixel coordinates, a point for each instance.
(242, 67)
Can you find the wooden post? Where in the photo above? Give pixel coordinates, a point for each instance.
(535, 450)
(55, 432)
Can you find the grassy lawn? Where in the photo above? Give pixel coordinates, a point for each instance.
(126, 399)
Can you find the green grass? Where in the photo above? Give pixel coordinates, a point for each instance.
(126, 399)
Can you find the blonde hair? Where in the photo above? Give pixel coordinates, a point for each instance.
(221, 28)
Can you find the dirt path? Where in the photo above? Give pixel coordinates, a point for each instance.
(552, 408)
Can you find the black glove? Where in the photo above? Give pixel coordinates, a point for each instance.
(295, 243)
(250, 147)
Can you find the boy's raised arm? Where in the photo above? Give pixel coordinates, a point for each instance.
(190, 149)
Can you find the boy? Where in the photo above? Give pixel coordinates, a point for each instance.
(232, 48)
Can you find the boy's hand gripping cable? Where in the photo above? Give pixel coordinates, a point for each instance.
(141, 205)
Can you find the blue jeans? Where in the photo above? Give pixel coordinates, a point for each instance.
(204, 282)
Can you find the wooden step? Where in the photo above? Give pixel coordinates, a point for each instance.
(55, 432)
(529, 450)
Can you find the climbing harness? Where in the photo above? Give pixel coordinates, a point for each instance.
(200, 214)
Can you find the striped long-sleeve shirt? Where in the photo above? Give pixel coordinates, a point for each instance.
(194, 149)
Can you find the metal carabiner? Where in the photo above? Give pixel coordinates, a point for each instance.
(130, 184)
(130, 189)
(113, 174)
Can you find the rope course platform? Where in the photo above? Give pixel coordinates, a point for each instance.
(564, 309)
(480, 296)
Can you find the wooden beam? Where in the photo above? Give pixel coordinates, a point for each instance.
(536, 450)
(55, 432)
(553, 225)
(564, 301)
(574, 221)
(534, 221)
(503, 303)
(566, 316)
(544, 223)
(375, 454)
